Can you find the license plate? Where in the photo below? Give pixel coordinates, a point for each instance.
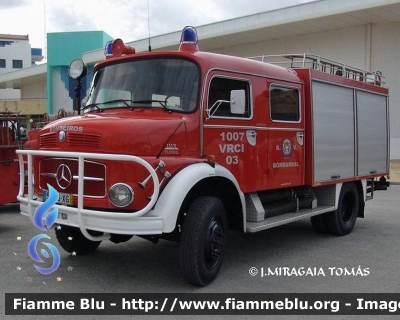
(63, 198)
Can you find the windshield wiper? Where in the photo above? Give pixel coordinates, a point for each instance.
(162, 103)
(126, 102)
(89, 106)
(96, 105)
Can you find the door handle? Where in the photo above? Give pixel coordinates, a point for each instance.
(300, 138)
(251, 137)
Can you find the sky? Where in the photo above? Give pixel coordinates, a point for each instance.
(125, 19)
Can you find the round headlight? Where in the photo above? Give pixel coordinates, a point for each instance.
(121, 195)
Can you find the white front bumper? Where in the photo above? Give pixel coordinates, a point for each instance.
(106, 221)
(144, 225)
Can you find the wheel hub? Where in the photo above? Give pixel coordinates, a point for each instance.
(347, 208)
(214, 242)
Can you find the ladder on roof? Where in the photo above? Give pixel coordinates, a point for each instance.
(316, 62)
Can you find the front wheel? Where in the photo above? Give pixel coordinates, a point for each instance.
(342, 221)
(72, 240)
(203, 240)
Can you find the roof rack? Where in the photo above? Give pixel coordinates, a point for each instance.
(316, 62)
(9, 115)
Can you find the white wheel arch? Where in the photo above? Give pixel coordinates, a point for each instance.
(171, 198)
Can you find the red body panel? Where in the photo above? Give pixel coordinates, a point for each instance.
(9, 181)
(9, 143)
(261, 153)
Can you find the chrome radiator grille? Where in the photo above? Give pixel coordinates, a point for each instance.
(73, 139)
(62, 174)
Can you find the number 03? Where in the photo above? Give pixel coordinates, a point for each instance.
(232, 160)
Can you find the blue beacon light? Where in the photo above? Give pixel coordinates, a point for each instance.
(189, 40)
(108, 48)
(189, 35)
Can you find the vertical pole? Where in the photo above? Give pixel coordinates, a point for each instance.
(78, 95)
(30, 186)
(81, 170)
(368, 47)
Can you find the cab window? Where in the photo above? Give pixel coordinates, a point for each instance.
(284, 104)
(219, 94)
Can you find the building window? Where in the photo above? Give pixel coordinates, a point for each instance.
(284, 104)
(4, 43)
(17, 64)
(219, 97)
(2, 63)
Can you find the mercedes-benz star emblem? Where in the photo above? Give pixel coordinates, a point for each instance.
(61, 136)
(64, 176)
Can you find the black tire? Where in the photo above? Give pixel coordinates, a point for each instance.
(319, 223)
(343, 220)
(78, 243)
(203, 241)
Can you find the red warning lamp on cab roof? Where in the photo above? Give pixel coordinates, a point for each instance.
(118, 48)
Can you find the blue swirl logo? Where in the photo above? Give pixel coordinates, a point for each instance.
(34, 255)
(44, 207)
(50, 218)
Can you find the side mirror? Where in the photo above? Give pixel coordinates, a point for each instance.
(238, 101)
(173, 102)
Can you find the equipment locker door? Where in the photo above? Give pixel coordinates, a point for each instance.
(286, 136)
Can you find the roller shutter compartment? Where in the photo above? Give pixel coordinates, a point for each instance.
(333, 132)
(372, 118)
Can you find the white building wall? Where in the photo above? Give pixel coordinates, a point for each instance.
(370, 47)
(10, 94)
(385, 57)
(344, 45)
(37, 90)
(61, 98)
(18, 50)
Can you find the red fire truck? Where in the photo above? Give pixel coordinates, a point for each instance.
(186, 145)
(10, 141)
(13, 136)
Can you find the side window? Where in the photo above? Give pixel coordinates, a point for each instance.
(284, 103)
(219, 97)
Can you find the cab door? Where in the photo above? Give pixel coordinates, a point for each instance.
(228, 134)
(286, 135)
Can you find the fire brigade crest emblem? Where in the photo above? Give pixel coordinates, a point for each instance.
(286, 148)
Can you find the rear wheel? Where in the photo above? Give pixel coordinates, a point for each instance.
(319, 223)
(342, 221)
(203, 240)
(72, 240)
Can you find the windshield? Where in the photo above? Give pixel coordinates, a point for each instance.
(167, 83)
